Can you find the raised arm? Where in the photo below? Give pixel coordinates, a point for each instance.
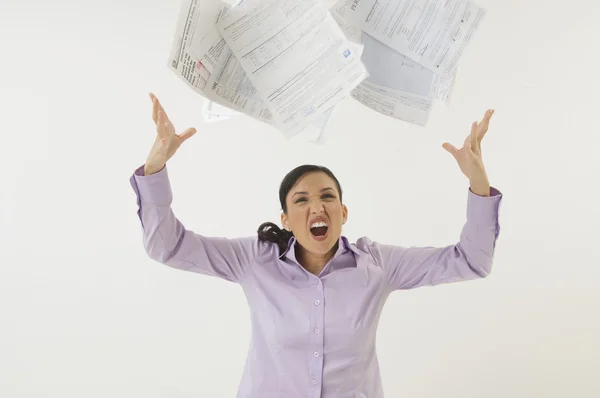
(165, 238)
(470, 258)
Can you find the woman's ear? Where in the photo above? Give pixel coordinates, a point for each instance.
(284, 221)
(344, 214)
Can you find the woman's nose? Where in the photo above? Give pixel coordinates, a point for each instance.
(317, 207)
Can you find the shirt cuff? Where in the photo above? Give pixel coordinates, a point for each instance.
(154, 189)
(484, 209)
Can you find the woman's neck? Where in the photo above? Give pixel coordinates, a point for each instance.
(314, 263)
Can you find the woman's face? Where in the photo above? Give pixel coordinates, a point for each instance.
(314, 213)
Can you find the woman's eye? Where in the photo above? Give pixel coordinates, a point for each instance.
(325, 196)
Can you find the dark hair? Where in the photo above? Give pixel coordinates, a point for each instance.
(269, 231)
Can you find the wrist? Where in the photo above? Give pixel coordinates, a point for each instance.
(480, 187)
(152, 169)
(480, 190)
(479, 183)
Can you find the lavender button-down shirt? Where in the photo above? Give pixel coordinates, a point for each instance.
(313, 336)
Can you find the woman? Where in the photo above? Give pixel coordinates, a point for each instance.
(315, 298)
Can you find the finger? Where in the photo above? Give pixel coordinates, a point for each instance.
(160, 126)
(157, 106)
(474, 143)
(187, 134)
(485, 123)
(450, 148)
(474, 133)
(469, 151)
(472, 153)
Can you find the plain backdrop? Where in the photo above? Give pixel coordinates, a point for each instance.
(85, 313)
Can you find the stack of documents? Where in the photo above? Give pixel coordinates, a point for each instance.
(288, 63)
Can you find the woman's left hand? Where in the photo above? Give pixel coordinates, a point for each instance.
(469, 157)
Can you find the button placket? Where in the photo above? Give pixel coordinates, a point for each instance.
(317, 335)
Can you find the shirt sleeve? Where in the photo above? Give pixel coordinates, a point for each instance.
(167, 241)
(470, 258)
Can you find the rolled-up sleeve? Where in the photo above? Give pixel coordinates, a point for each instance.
(166, 240)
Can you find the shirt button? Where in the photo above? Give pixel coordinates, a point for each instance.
(317, 330)
(314, 382)
(316, 282)
(317, 302)
(316, 354)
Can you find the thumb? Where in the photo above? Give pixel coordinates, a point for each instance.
(450, 148)
(187, 134)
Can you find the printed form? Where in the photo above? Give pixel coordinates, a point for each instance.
(214, 112)
(433, 33)
(201, 57)
(398, 86)
(182, 59)
(338, 12)
(295, 54)
(229, 85)
(207, 43)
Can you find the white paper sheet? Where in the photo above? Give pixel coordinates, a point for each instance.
(388, 67)
(207, 44)
(182, 60)
(398, 104)
(338, 12)
(399, 74)
(213, 112)
(443, 86)
(295, 54)
(223, 80)
(433, 33)
(315, 132)
(217, 74)
(230, 86)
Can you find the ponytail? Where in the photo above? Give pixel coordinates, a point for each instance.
(272, 233)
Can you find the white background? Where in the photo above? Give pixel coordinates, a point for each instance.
(85, 313)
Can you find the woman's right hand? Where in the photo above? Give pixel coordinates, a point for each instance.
(167, 141)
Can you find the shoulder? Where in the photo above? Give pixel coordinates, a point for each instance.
(266, 251)
(367, 247)
(246, 250)
(381, 254)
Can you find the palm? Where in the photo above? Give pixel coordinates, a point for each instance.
(469, 156)
(462, 158)
(167, 140)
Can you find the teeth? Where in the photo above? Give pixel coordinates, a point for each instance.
(318, 224)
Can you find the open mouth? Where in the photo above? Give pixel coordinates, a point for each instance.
(319, 230)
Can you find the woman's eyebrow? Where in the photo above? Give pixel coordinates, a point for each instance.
(306, 193)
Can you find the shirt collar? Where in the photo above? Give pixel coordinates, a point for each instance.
(343, 247)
